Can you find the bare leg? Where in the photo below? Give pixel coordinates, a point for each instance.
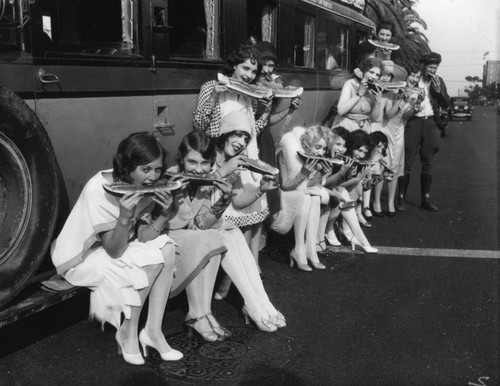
(299, 229)
(391, 193)
(376, 196)
(330, 231)
(158, 298)
(366, 198)
(312, 228)
(332, 217)
(224, 287)
(255, 242)
(323, 220)
(351, 218)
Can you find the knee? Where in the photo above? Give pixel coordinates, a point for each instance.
(168, 253)
(154, 269)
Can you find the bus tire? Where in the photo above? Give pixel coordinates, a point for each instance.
(30, 194)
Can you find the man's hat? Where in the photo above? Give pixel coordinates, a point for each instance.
(267, 51)
(431, 58)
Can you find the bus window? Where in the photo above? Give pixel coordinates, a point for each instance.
(185, 29)
(333, 45)
(90, 27)
(14, 16)
(261, 20)
(297, 43)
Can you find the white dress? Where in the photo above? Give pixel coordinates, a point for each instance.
(80, 258)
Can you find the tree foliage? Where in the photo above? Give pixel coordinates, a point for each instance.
(408, 24)
(473, 79)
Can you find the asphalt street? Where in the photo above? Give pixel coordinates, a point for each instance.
(424, 311)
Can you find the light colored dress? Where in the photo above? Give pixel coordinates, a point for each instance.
(394, 129)
(359, 117)
(291, 200)
(79, 256)
(196, 246)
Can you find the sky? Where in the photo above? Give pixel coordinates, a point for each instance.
(462, 31)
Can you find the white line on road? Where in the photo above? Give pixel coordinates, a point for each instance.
(466, 253)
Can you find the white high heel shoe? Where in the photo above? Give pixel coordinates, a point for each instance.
(354, 241)
(331, 238)
(278, 320)
(366, 248)
(265, 325)
(133, 359)
(171, 355)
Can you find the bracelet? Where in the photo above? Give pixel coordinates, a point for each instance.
(299, 179)
(217, 174)
(156, 230)
(219, 207)
(124, 221)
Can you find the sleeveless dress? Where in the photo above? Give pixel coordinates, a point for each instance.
(355, 121)
(394, 129)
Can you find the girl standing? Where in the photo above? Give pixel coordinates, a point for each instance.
(358, 106)
(216, 101)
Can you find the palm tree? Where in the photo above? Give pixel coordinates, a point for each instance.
(412, 41)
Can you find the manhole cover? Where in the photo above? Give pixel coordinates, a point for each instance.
(248, 355)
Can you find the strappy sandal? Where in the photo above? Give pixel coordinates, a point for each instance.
(209, 336)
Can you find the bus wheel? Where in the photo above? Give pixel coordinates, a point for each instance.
(30, 194)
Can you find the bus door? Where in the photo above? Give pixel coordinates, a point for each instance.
(93, 80)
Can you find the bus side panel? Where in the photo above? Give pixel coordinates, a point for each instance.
(86, 131)
(17, 76)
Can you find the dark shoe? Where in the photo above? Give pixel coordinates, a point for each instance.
(366, 224)
(378, 214)
(400, 204)
(428, 206)
(425, 186)
(367, 214)
(403, 182)
(391, 214)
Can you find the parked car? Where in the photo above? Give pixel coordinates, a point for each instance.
(461, 107)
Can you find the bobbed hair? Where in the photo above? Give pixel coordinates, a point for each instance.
(370, 63)
(387, 25)
(239, 56)
(341, 132)
(356, 140)
(137, 149)
(198, 141)
(313, 135)
(377, 137)
(221, 140)
(412, 68)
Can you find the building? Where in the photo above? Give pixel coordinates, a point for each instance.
(491, 72)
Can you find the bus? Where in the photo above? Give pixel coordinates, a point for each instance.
(77, 76)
